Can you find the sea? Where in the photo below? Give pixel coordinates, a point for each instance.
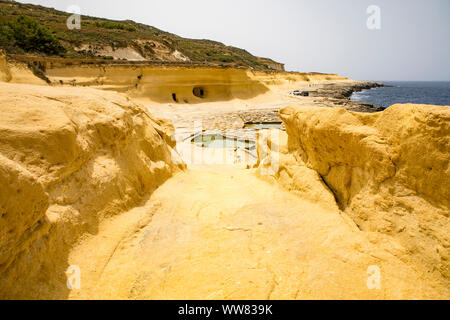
(418, 92)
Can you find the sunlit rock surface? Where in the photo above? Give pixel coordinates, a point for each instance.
(69, 158)
(389, 172)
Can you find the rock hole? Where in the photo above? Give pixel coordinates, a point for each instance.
(199, 92)
(174, 97)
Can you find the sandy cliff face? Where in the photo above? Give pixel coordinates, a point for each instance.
(388, 171)
(15, 72)
(165, 84)
(69, 158)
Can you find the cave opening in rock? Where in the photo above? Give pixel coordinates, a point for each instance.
(199, 92)
(174, 97)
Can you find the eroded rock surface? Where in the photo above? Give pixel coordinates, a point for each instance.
(222, 233)
(87, 180)
(69, 158)
(388, 171)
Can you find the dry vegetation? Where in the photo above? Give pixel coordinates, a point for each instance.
(103, 32)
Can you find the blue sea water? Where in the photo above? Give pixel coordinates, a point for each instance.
(429, 92)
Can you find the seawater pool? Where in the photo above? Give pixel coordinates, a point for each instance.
(221, 141)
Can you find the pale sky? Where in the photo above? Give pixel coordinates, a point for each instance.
(316, 35)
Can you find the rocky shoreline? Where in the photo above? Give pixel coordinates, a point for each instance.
(338, 95)
(344, 91)
(329, 96)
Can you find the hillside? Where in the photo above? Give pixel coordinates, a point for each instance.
(36, 30)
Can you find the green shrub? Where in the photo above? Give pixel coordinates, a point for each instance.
(30, 36)
(112, 25)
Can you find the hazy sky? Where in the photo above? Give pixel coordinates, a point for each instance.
(321, 35)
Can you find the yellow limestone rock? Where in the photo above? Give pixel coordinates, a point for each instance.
(5, 74)
(87, 180)
(276, 163)
(186, 85)
(69, 158)
(222, 233)
(16, 72)
(388, 171)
